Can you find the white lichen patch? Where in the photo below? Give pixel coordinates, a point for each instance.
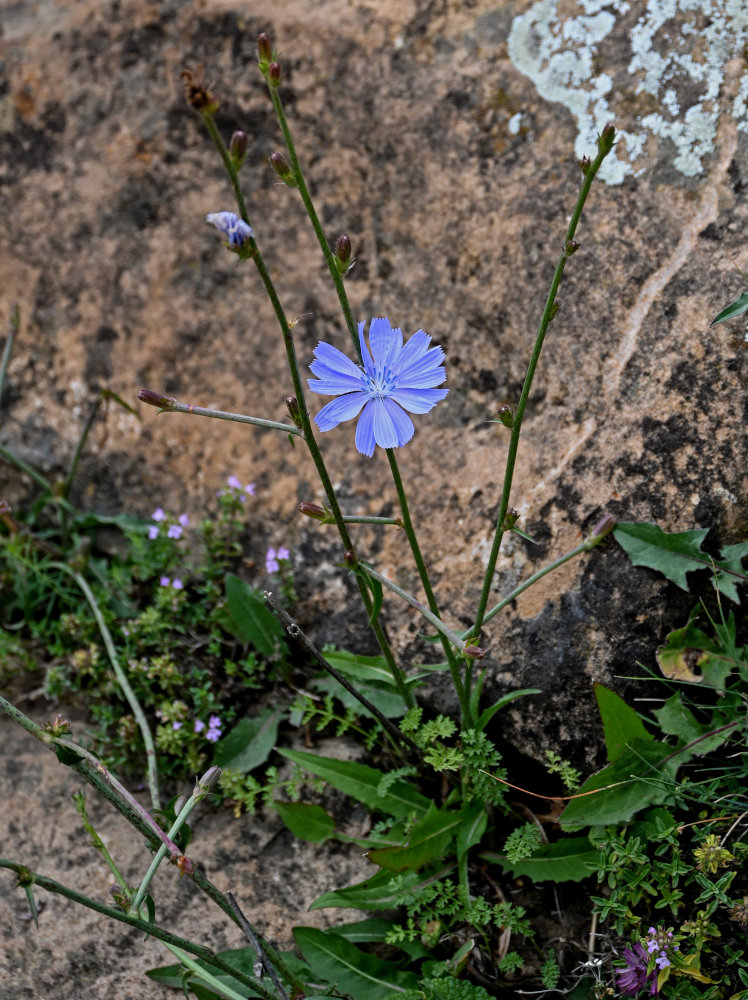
(675, 54)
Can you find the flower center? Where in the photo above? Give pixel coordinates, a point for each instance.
(378, 382)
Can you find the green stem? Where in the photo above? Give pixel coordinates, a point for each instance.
(68, 482)
(13, 324)
(309, 438)
(145, 732)
(151, 930)
(605, 144)
(79, 800)
(428, 590)
(314, 219)
(173, 405)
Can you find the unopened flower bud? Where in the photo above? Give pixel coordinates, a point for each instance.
(156, 399)
(601, 530)
(506, 415)
(264, 50)
(349, 558)
(584, 164)
(473, 652)
(570, 247)
(238, 148)
(185, 866)
(207, 781)
(607, 138)
(292, 405)
(282, 168)
(274, 74)
(313, 510)
(342, 254)
(512, 516)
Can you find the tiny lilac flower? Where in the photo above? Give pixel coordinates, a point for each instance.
(250, 488)
(213, 735)
(158, 515)
(234, 483)
(282, 553)
(174, 531)
(177, 584)
(199, 726)
(176, 725)
(235, 229)
(184, 520)
(165, 581)
(214, 722)
(662, 961)
(271, 563)
(153, 532)
(394, 378)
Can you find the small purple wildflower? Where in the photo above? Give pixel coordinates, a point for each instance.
(250, 488)
(214, 722)
(174, 531)
(271, 562)
(158, 515)
(635, 976)
(395, 377)
(177, 584)
(282, 554)
(176, 725)
(165, 581)
(213, 735)
(153, 532)
(199, 726)
(235, 229)
(184, 520)
(234, 483)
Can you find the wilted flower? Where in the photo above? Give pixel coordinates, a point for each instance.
(235, 229)
(394, 378)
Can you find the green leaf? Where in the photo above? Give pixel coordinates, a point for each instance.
(472, 827)
(732, 557)
(674, 554)
(335, 960)
(677, 720)
(621, 724)
(375, 893)
(305, 821)
(251, 620)
(250, 742)
(567, 860)
(428, 841)
(734, 309)
(489, 713)
(361, 783)
(363, 668)
(388, 701)
(639, 777)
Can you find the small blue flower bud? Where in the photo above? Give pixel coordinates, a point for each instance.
(238, 148)
(282, 168)
(274, 74)
(293, 408)
(264, 51)
(156, 399)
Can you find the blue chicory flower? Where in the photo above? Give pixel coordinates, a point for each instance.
(394, 378)
(235, 229)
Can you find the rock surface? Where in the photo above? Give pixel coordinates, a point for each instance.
(454, 173)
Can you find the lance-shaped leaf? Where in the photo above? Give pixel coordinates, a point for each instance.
(363, 976)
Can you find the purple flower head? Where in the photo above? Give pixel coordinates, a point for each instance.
(153, 532)
(177, 584)
(158, 515)
(250, 488)
(214, 722)
(176, 725)
(394, 378)
(213, 735)
(236, 230)
(271, 562)
(634, 976)
(234, 483)
(165, 581)
(199, 726)
(174, 531)
(184, 520)
(282, 553)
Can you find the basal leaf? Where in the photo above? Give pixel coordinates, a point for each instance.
(362, 783)
(428, 841)
(734, 309)
(621, 724)
(567, 860)
(732, 559)
(251, 620)
(335, 960)
(250, 742)
(639, 777)
(674, 554)
(306, 821)
(677, 720)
